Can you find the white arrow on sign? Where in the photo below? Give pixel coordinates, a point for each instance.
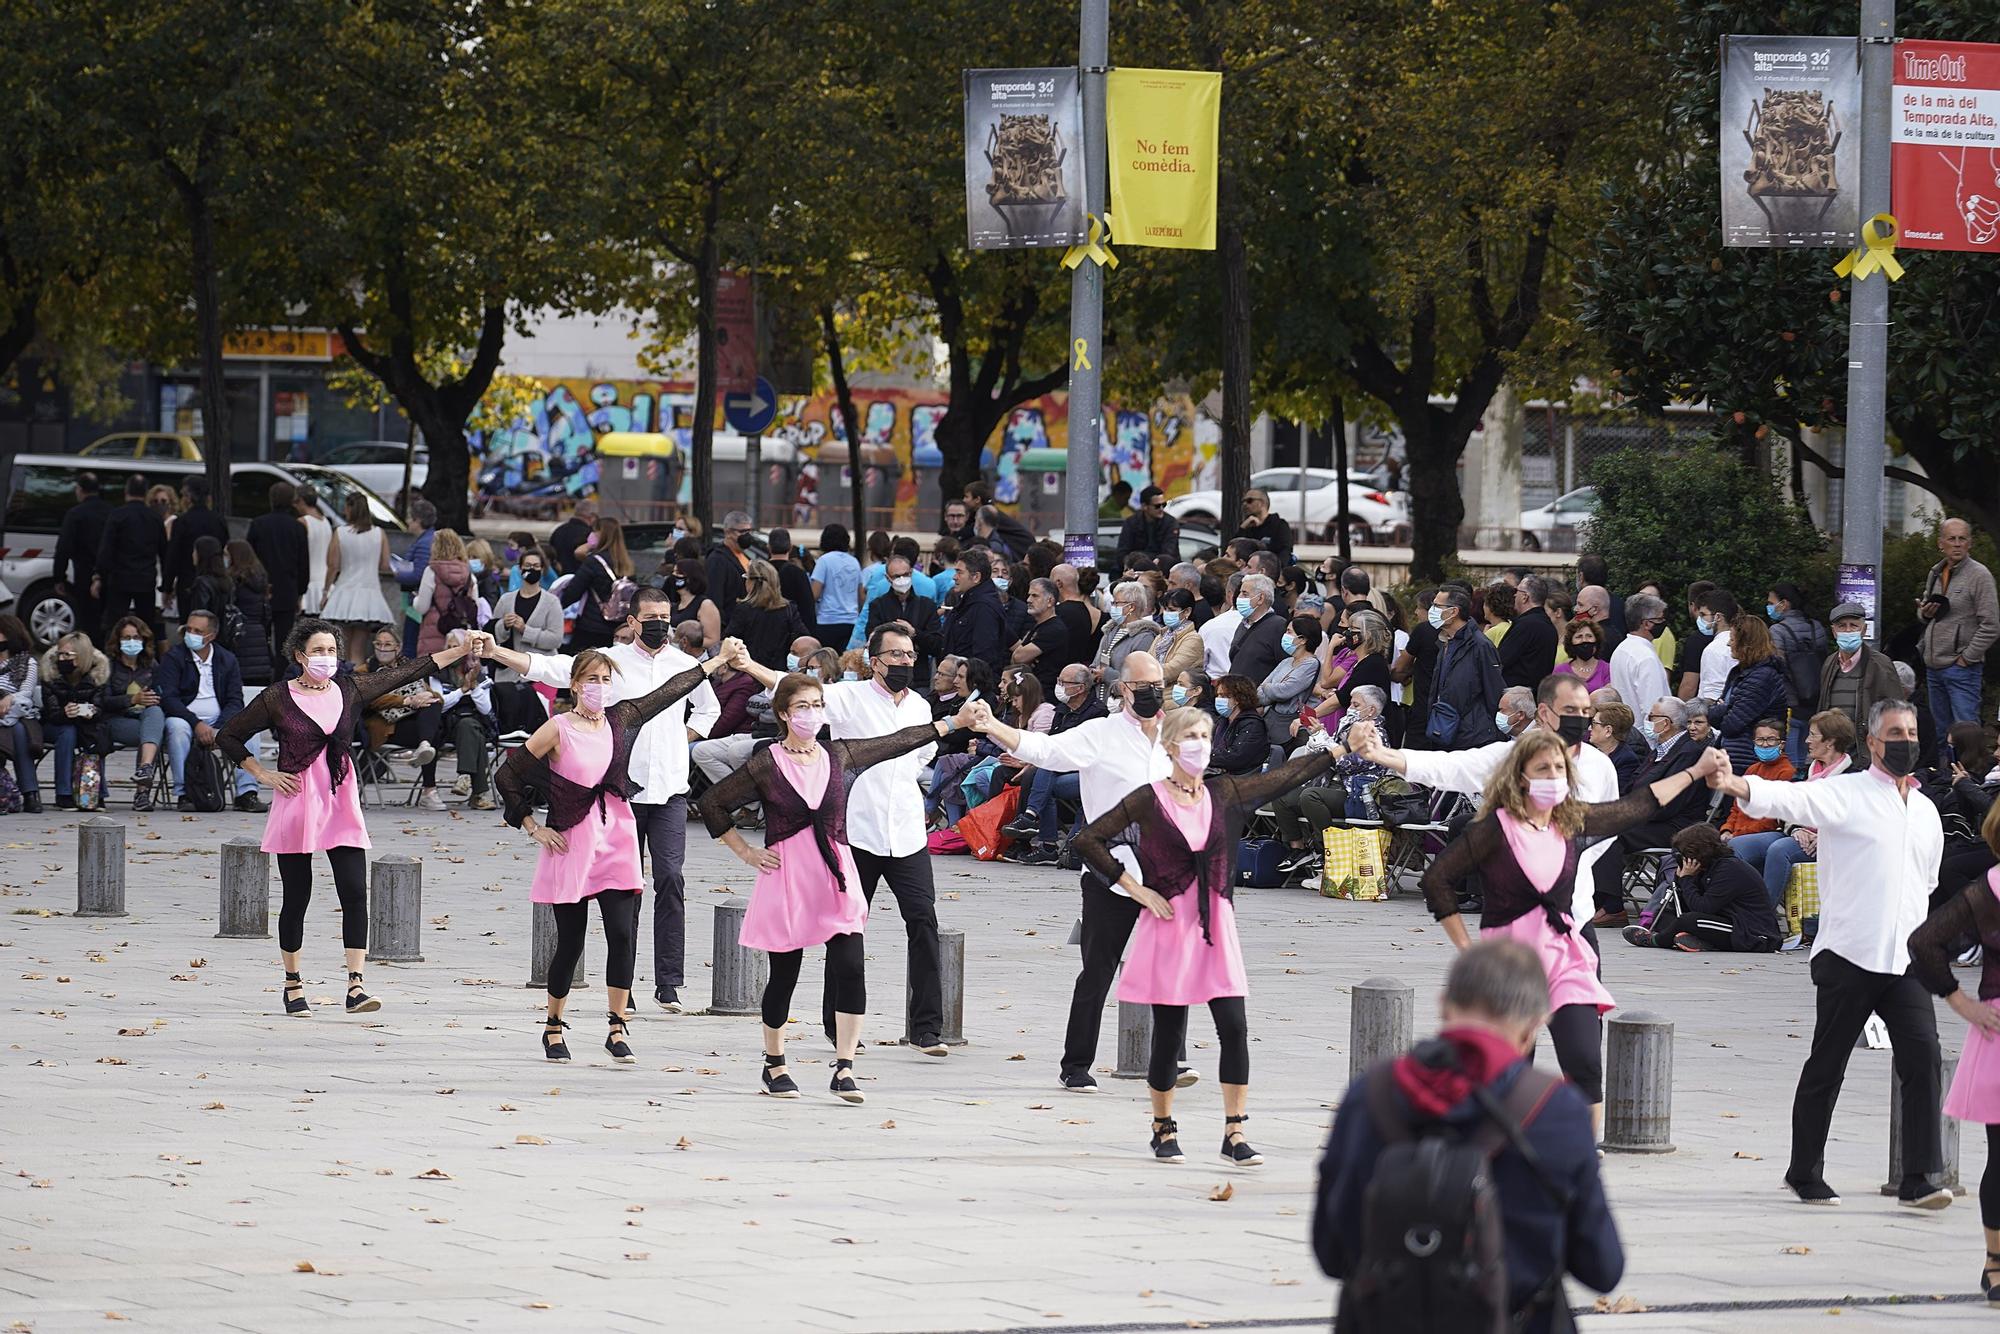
(749, 404)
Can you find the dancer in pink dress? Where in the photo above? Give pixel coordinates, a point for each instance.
(808, 892)
(1524, 845)
(314, 807)
(1171, 846)
(1973, 915)
(578, 765)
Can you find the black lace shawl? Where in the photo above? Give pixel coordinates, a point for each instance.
(1166, 864)
(1508, 892)
(785, 811)
(526, 781)
(1972, 915)
(300, 740)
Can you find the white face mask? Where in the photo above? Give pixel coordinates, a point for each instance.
(901, 583)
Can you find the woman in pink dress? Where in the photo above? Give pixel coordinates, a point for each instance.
(1973, 915)
(577, 765)
(1525, 847)
(314, 806)
(808, 892)
(1171, 846)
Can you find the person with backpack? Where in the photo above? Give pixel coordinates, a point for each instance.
(1460, 1185)
(447, 598)
(1805, 645)
(601, 589)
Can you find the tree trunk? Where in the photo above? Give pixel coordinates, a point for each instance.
(450, 475)
(961, 440)
(1336, 430)
(1436, 507)
(850, 421)
(19, 332)
(1234, 258)
(702, 493)
(215, 440)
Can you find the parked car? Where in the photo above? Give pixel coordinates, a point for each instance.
(144, 445)
(378, 465)
(1554, 526)
(1375, 516)
(41, 489)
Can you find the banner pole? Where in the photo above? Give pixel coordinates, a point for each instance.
(1086, 301)
(1868, 315)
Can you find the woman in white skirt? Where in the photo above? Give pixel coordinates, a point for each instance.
(356, 563)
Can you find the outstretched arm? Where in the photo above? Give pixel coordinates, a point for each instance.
(1251, 792)
(855, 756)
(1607, 819)
(676, 687)
(379, 683)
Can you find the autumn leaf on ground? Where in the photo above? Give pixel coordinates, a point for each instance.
(1622, 1306)
(683, 1143)
(1222, 1192)
(1753, 1157)
(1796, 1250)
(888, 1125)
(213, 1107)
(529, 1139)
(304, 1267)
(434, 1174)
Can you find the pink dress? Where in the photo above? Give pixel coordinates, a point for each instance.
(797, 906)
(1566, 958)
(601, 851)
(317, 817)
(1975, 1089)
(1169, 962)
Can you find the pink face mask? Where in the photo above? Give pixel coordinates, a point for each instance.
(1192, 756)
(1547, 793)
(805, 722)
(320, 666)
(591, 696)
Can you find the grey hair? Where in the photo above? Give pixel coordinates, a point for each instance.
(1500, 979)
(1184, 570)
(1907, 675)
(1236, 582)
(1604, 695)
(1373, 694)
(1699, 708)
(1883, 708)
(1140, 596)
(1256, 584)
(1374, 628)
(736, 519)
(1536, 587)
(1048, 587)
(1642, 607)
(1517, 699)
(1674, 708)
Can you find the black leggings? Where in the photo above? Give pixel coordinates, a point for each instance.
(1578, 1032)
(1170, 1039)
(620, 910)
(845, 976)
(350, 881)
(1989, 1181)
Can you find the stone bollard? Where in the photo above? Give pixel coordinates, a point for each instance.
(951, 969)
(1639, 1084)
(1382, 1023)
(246, 891)
(100, 868)
(1135, 1040)
(1947, 1134)
(395, 910)
(737, 975)
(542, 948)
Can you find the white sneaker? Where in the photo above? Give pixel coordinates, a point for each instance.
(430, 800)
(1972, 958)
(423, 754)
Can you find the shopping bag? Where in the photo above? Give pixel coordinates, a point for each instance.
(981, 826)
(945, 843)
(1802, 898)
(1356, 864)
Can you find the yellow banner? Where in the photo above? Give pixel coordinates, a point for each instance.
(1164, 126)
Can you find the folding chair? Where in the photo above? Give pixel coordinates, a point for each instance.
(1642, 877)
(1406, 843)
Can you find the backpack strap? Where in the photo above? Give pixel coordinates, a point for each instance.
(1386, 1105)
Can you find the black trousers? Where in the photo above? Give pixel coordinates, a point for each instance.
(143, 603)
(846, 980)
(1108, 919)
(1609, 872)
(350, 882)
(281, 630)
(663, 829)
(1717, 933)
(620, 911)
(1847, 995)
(1232, 1030)
(1577, 1034)
(916, 899)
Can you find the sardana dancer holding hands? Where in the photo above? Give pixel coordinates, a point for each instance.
(315, 808)
(1183, 833)
(1525, 846)
(579, 764)
(808, 891)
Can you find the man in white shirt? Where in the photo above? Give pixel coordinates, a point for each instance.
(886, 829)
(1220, 631)
(1718, 609)
(1637, 673)
(1112, 757)
(1879, 843)
(659, 765)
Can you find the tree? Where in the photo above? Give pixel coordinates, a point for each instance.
(1762, 334)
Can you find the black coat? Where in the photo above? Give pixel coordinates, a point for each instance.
(253, 646)
(1729, 891)
(1258, 647)
(131, 549)
(921, 614)
(279, 540)
(1528, 650)
(76, 545)
(1242, 745)
(1157, 537)
(1690, 806)
(199, 522)
(1468, 679)
(977, 628)
(767, 632)
(1274, 533)
(725, 580)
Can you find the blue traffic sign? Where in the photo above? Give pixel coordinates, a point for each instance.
(751, 413)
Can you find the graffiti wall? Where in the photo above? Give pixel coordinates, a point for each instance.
(550, 453)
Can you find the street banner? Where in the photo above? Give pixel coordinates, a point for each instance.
(1791, 141)
(1857, 584)
(1164, 127)
(735, 334)
(1945, 159)
(1023, 158)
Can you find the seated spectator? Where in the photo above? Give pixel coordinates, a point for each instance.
(412, 717)
(73, 674)
(1129, 628)
(1674, 750)
(1963, 793)
(962, 781)
(1700, 727)
(1290, 682)
(733, 691)
(201, 689)
(689, 587)
(1191, 690)
(1178, 647)
(797, 654)
(468, 724)
(1582, 643)
(1554, 1216)
(1039, 820)
(1767, 760)
(1254, 647)
(20, 701)
(1830, 743)
(1356, 775)
(1611, 732)
(132, 713)
(1718, 903)
(945, 688)
(1516, 713)
(1242, 743)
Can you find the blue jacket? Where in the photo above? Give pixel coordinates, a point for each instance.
(410, 571)
(1539, 1238)
(178, 681)
(1751, 695)
(976, 628)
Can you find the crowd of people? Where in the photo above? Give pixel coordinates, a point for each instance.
(851, 699)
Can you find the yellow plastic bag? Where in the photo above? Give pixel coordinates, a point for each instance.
(1802, 895)
(1356, 865)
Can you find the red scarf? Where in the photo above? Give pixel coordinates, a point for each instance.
(1432, 1091)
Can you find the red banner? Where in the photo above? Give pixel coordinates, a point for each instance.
(1946, 159)
(735, 334)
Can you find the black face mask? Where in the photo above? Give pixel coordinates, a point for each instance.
(1582, 652)
(654, 633)
(1899, 757)
(680, 583)
(531, 576)
(1572, 728)
(896, 679)
(1146, 700)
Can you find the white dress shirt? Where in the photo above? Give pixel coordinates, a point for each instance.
(1468, 770)
(1638, 675)
(659, 768)
(885, 807)
(1717, 660)
(205, 705)
(1112, 757)
(1878, 860)
(1215, 637)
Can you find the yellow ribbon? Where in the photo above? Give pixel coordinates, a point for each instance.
(1097, 249)
(1082, 355)
(1881, 252)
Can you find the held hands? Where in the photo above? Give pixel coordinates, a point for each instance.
(1148, 900)
(1364, 740)
(731, 653)
(549, 839)
(1712, 763)
(970, 714)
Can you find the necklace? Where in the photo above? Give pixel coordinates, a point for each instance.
(305, 683)
(1182, 788)
(592, 718)
(794, 750)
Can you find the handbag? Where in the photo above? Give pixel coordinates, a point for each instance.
(1442, 729)
(945, 843)
(1356, 864)
(1398, 803)
(981, 826)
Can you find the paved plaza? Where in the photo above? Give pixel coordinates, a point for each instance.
(178, 1156)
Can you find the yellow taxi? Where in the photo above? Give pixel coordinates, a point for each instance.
(145, 445)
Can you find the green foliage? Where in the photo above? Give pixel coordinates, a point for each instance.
(1701, 514)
